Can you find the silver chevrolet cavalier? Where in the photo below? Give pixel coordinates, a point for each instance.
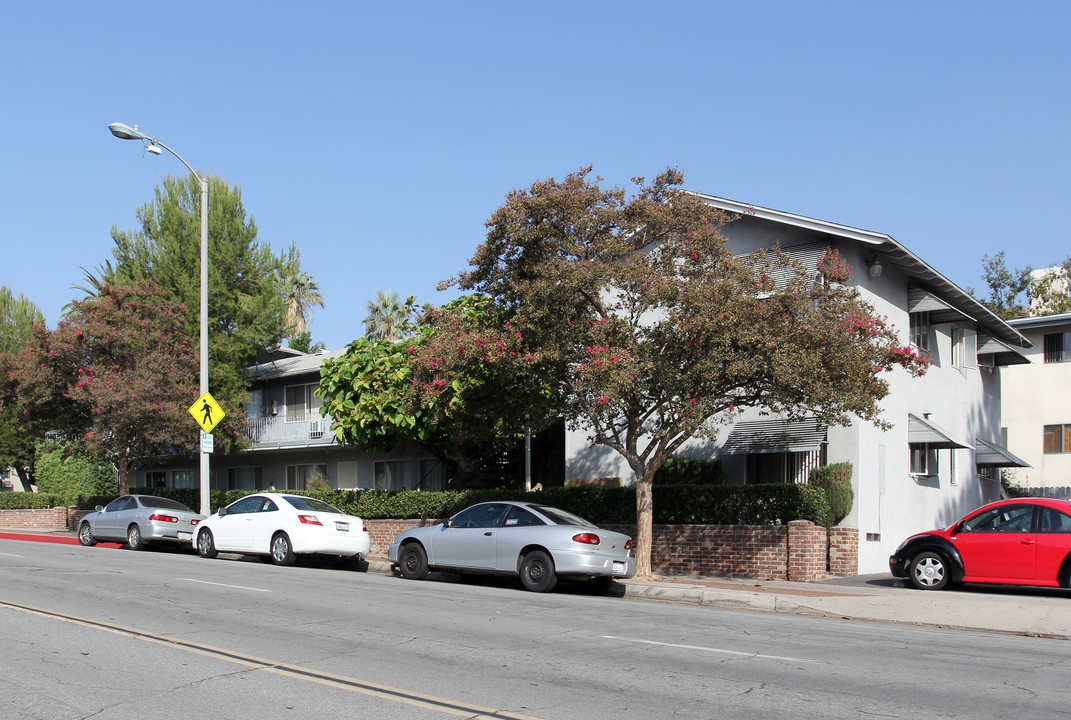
(538, 543)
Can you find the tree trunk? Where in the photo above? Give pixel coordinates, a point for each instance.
(125, 470)
(644, 525)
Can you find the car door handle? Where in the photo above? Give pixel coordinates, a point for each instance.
(488, 534)
(1029, 541)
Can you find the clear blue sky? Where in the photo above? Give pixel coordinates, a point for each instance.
(380, 137)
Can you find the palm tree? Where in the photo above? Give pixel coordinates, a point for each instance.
(299, 289)
(388, 317)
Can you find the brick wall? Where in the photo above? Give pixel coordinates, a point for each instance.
(50, 519)
(797, 551)
(843, 551)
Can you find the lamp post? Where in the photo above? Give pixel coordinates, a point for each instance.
(125, 132)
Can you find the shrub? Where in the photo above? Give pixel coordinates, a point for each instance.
(836, 481)
(58, 470)
(29, 501)
(690, 471)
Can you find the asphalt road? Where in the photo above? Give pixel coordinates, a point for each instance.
(109, 634)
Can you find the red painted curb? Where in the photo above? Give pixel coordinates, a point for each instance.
(52, 539)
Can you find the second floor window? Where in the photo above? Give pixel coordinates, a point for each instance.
(920, 330)
(1057, 438)
(302, 403)
(1054, 344)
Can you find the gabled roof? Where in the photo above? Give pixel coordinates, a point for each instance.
(923, 276)
(290, 364)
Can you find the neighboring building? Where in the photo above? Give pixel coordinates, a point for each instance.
(941, 456)
(292, 444)
(1036, 412)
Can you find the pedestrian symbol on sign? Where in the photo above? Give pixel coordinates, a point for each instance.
(207, 412)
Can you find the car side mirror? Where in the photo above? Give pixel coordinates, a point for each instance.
(100, 508)
(447, 523)
(222, 511)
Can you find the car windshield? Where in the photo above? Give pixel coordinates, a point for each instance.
(561, 517)
(312, 504)
(165, 503)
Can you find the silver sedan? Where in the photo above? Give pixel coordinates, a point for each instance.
(139, 520)
(536, 542)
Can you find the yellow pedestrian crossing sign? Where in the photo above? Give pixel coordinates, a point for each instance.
(207, 412)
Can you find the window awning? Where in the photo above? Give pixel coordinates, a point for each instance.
(919, 300)
(921, 431)
(1003, 354)
(774, 436)
(986, 453)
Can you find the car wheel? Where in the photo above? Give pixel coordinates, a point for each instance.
(537, 572)
(85, 535)
(413, 562)
(1064, 578)
(928, 571)
(134, 541)
(281, 552)
(206, 546)
(599, 585)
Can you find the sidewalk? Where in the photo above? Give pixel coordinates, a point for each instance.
(1044, 612)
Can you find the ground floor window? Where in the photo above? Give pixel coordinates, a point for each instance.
(1057, 438)
(432, 476)
(923, 460)
(171, 479)
(783, 467)
(390, 475)
(298, 477)
(244, 478)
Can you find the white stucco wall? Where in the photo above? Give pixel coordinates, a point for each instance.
(890, 502)
(1034, 396)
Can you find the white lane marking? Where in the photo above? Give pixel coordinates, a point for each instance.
(237, 587)
(713, 650)
(11, 555)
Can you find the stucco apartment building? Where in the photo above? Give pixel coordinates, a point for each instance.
(1036, 406)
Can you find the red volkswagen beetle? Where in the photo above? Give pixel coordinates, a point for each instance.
(1025, 541)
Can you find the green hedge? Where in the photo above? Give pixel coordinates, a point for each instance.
(836, 481)
(29, 500)
(673, 504)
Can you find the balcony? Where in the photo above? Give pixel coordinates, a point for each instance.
(290, 431)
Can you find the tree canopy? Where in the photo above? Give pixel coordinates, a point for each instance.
(18, 317)
(246, 304)
(647, 331)
(116, 377)
(371, 394)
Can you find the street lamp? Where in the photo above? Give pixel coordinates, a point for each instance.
(125, 132)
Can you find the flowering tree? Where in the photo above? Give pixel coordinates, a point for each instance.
(377, 403)
(17, 319)
(647, 331)
(116, 376)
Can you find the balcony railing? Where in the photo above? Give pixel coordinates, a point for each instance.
(290, 430)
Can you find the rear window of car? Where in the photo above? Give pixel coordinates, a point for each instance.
(311, 504)
(165, 503)
(561, 517)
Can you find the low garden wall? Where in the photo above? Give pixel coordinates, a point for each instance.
(799, 551)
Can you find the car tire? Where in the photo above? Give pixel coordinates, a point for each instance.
(413, 562)
(206, 546)
(134, 540)
(928, 571)
(537, 572)
(85, 535)
(282, 553)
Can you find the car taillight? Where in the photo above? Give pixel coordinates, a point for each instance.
(628, 544)
(194, 521)
(586, 538)
(163, 518)
(309, 520)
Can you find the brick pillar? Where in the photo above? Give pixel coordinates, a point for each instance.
(807, 551)
(843, 551)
